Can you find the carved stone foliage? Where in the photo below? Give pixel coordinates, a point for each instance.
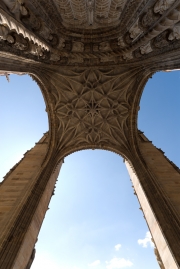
(19, 43)
(13, 32)
(13, 25)
(92, 107)
(163, 5)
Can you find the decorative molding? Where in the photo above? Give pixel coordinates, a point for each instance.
(14, 25)
(17, 8)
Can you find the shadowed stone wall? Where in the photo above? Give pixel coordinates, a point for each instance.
(14, 193)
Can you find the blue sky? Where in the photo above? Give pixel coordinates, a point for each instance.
(94, 219)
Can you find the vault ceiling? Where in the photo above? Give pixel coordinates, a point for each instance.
(90, 14)
(93, 58)
(89, 32)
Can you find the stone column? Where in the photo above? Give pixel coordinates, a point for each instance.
(156, 182)
(24, 197)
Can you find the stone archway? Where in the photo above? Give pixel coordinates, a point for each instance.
(92, 79)
(91, 102)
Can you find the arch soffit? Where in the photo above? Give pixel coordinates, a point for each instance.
(56, 91)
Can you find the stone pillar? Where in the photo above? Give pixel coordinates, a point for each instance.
(23, 205)
(161, 206)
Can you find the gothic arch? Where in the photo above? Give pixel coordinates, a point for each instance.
(133, 148)
(92, 76)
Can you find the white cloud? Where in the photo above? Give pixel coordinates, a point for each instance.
(117, 263)
(45, 262)
(95, 263)
(146, 241)
(117, 247)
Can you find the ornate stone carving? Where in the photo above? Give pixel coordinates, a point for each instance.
(148, 18)
(65, 10)
(130, 42)
(16, 7)
(163, 5)
(175, 34)
(14, 25)
(34, 49)
(4, 34)
(71, 55)
(77, 47)
(20, 42)
(92, 107)
(79, 10)
(108, 12)
(121, 42)
(145, 49)
(102, 9)
(135, 30)
(116, 9)
(90, 11)
(85, 13)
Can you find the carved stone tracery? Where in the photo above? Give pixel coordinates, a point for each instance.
(98, 13)
(92, 107)
(101, 13)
